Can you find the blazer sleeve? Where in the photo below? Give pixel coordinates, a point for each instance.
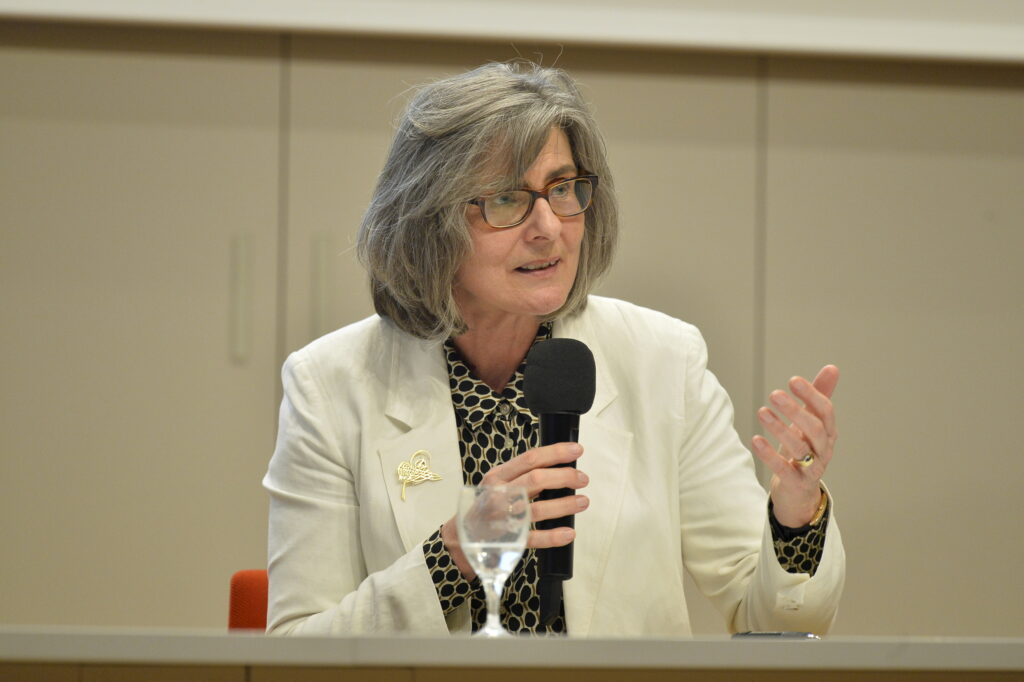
(726, 538)
(318, 578)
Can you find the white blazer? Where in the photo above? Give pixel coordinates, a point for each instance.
(671, 486)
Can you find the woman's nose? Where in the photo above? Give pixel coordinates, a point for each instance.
(543, 223)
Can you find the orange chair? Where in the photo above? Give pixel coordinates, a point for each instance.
(247, 606)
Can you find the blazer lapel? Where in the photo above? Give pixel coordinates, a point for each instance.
(606, 455)
(605, 459)
(419, 403)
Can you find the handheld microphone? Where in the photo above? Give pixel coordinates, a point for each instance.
(558, 384)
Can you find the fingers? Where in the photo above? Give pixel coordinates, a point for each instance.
(537, 469)
(538, 458)
(826, 380)
(812, 427)
(817, 396)
(556, 478)
(811, 432)
(559, 537)
(795, 440)
(552, 509)
(793, 479)
(781, 466)
(542, 510)
(816, 416)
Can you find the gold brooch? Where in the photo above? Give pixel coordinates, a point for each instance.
(416, 470)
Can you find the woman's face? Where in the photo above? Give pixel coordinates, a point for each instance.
(526, 270)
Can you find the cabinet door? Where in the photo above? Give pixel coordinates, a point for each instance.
(138, 201)
(894, 219)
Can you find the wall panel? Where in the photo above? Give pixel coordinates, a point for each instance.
(894, 251)
(136, 165)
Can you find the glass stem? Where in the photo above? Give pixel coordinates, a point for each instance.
(493, 588)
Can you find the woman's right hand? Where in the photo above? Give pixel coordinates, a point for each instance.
(535, 470)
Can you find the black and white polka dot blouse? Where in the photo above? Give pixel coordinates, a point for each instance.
(493, 428)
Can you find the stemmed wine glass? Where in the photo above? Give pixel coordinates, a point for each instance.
(493, 523)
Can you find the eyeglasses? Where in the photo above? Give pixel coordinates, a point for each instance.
(565, 197)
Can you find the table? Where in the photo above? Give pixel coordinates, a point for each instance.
(51, 654)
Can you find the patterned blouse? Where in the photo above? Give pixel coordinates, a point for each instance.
(493, 428)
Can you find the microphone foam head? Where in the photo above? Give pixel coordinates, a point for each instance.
(559, 377)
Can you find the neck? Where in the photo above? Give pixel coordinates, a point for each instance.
(495, 351)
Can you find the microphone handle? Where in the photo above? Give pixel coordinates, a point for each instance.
(559, 427)
(555, 563)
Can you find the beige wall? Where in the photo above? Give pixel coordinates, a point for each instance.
(178, 210)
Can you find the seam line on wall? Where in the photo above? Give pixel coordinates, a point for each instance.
(283, 154)
(760, 244)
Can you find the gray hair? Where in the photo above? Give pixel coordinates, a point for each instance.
(459, 138)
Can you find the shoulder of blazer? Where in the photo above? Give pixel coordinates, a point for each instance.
(627, 341)
(621, 320)
(373, 357)
(354, 349)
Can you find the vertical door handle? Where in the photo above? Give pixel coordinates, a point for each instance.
(318, 298)
(240, 312)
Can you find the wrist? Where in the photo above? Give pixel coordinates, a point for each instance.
(450, 537)
(800, 514)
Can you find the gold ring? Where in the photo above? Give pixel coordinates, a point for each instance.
(807, 460)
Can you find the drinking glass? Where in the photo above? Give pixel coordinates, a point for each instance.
(493, 523)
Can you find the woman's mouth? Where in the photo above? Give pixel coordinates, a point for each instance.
(540, 265)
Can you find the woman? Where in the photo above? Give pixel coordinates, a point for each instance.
(493, 217)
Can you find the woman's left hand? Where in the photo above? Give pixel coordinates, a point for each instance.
(795, 487)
